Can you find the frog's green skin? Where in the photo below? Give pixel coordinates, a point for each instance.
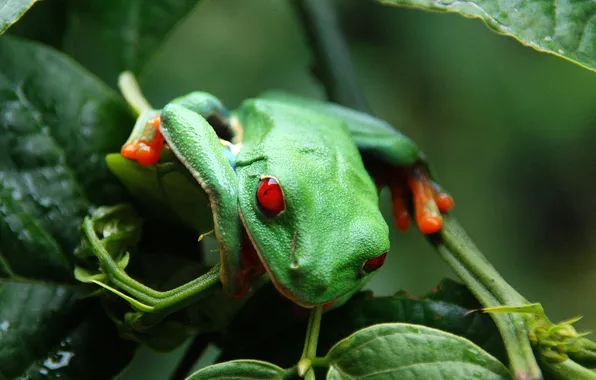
(315, 249)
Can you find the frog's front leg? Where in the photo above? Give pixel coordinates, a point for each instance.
(192, 139)
(212, 109)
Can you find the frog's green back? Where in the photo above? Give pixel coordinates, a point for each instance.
(315, 250)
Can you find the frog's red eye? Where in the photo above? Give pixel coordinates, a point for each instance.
(375, 263)
(270, 197)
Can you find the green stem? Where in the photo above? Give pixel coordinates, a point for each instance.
(333, 65)
(309, 352)
(319, 362)
(314, 327)
(457, 250)
(458, 242)
(132, 93)
(567, 370)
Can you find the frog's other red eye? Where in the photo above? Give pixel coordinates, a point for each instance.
(270, 197)
(375, 263)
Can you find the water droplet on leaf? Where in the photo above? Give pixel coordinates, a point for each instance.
(475, 356)
(4, 325)
(58, 360)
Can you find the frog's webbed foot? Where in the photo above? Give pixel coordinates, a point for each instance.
(428, 200)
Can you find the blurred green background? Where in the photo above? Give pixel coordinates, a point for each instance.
(509, 130)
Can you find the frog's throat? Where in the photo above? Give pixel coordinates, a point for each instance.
(280, 288)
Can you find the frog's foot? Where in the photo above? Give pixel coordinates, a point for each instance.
(147, 149)
(428, 200)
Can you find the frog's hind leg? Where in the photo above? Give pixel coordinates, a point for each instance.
(428, 200)
(199, 149)
(217, 115)
(146, 143)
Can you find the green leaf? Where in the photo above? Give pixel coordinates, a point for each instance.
(564, 28)
(404, 351)
(11, 11)
(57, 123)
(109, 37)
(239, 369)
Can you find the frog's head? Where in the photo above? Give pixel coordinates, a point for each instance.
(314, 221)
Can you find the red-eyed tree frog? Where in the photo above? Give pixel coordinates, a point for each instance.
(289, 187)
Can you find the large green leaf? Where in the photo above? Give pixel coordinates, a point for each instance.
(11, 11)
(239, 369)
(404, 351)
(109, 37)
(57, 122)
(563, 28)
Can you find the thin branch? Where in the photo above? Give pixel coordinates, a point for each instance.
(459, 252)
(333, 65)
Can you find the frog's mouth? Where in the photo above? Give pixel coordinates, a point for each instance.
(253, 266)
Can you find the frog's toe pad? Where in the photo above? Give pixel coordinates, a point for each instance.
(428, 200)
(146, 150)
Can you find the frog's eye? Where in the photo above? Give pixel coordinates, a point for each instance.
(270, 197)
(375, 263)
